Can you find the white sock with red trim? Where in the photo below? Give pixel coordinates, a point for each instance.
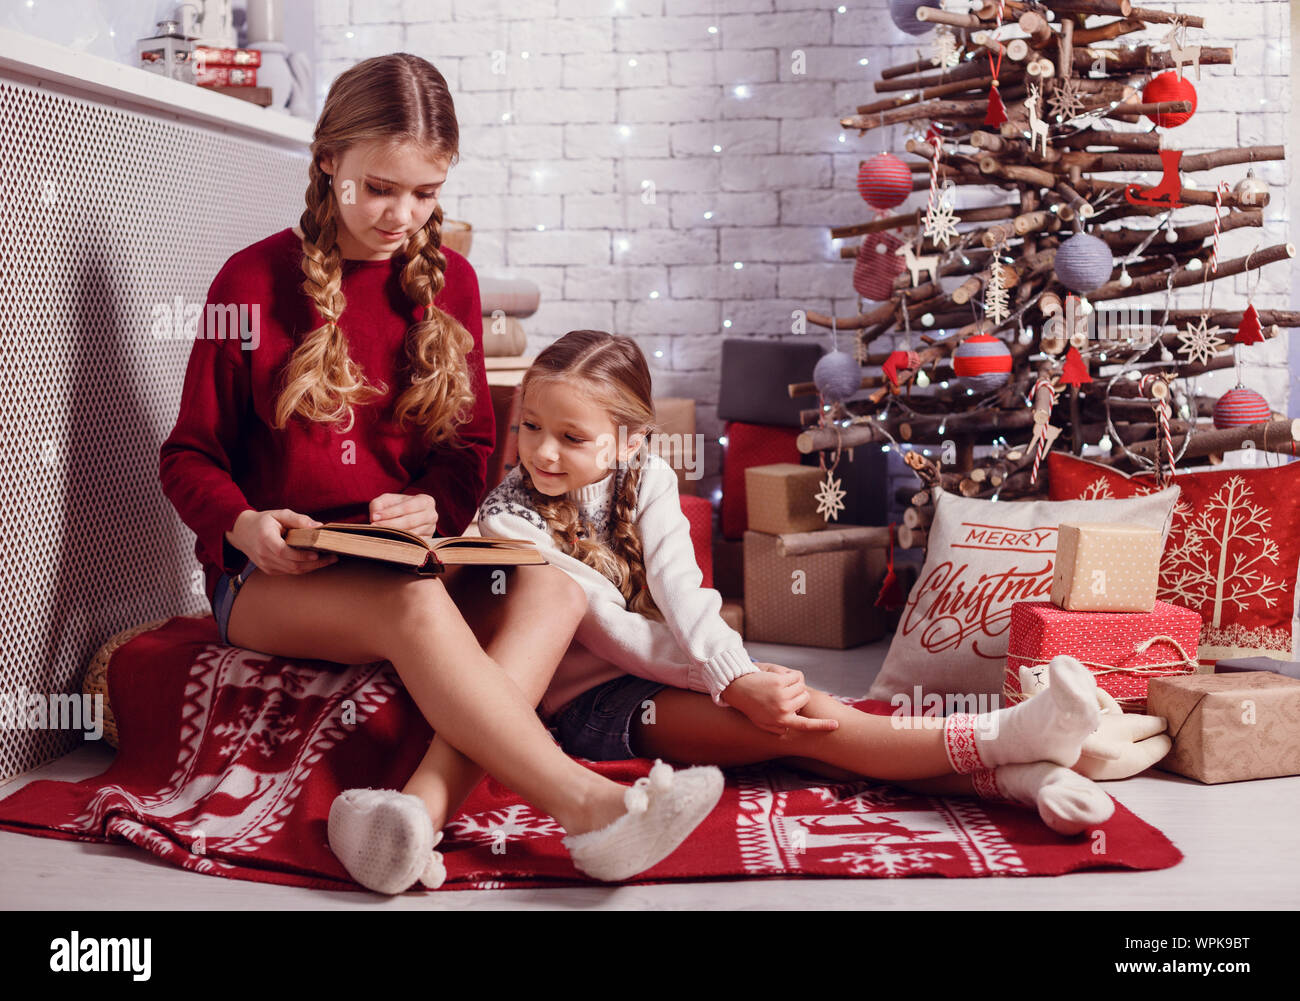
(1067, 802)
(1051, 726)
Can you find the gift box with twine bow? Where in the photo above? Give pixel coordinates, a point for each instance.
(1124, 650)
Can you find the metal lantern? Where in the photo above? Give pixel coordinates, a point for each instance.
(170, 53)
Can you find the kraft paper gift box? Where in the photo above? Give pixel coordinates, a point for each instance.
(733, 614)
(675, 426)
(1125, 650)
(1106, 567)
(816, 599)
(1229, 727)
(781, 498)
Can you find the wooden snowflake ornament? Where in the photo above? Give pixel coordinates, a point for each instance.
(940, 223)
(1066, 102)
(830, 499)
(1200, 342)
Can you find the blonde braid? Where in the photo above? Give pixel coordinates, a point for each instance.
(626, 540)
(320, 381)
(440, 395)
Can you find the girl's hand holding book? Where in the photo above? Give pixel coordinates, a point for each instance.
(771, 697)
(259, 535)
(411, 512)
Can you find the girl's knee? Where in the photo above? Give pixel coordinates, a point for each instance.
(564, 595)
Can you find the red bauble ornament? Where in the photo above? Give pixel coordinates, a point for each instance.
(1250, 331)
(884, 181)
(1074, 372)
(997, 112)
(1170, 87)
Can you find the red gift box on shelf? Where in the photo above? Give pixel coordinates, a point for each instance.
(1123, 649)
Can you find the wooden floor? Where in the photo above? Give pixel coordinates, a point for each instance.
(1239, 841)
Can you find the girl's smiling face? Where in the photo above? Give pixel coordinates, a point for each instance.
(383, 196)
(566, 439)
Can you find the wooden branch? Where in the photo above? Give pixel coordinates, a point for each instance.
(1189, 196)
(1145, 59)
(1110, 8)
(934, 15)
(986, 214)
(833, 538)
(1122, 240)
(1162, 16)
(1273, 436)
(1104, 162)
(1185, 276)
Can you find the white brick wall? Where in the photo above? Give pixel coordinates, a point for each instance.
(612, 95)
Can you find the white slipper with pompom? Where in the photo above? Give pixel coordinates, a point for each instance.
(662, 810)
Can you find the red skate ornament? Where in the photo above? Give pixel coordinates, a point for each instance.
(1165, 194)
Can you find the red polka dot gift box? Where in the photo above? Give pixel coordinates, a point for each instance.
(1123, 650)
(1232, 552)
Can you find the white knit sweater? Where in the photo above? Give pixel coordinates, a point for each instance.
(693, 648)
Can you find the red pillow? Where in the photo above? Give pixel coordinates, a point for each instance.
(1232, 554)
(699, 512)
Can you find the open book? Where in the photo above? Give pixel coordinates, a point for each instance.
(416, 553)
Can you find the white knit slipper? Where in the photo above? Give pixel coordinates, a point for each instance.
(382, 837)
(435, 872)
(662, 811)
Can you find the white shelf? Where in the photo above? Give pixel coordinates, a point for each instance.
(39, 62)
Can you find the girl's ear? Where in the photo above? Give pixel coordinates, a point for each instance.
(634, 443)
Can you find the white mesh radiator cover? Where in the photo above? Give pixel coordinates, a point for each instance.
(107, 216)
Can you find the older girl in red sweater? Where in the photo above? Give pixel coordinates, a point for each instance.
(353, 389)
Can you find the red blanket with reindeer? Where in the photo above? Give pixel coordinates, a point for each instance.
(230, 759)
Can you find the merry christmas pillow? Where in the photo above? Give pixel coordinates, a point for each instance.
(1232, 553)
(983, 557)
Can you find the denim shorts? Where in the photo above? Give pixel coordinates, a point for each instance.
(223, 598)
(597, 724)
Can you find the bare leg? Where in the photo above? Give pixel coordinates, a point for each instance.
(355, 612)
(508, 627)
(689, 728)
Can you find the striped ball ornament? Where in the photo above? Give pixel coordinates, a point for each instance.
(884, 181)
(1240, 407)
(982, 362)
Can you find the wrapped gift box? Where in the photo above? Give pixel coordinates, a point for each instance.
(755, 378)
(1229, 727)
(781, 498)
(1106, 567)
(699, 516)
(750, 445)
(1289, 668)
(828, 605)
(733, 614)
(674, 440)
(1124, 650)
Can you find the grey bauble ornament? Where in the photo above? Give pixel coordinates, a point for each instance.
(838, 376)
(1084, 263)
(903, 13)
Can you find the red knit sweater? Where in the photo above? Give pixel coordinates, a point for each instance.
(223, 457)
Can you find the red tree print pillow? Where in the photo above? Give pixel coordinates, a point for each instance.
(1232, 554)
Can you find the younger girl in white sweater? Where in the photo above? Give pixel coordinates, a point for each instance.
(654, 670)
